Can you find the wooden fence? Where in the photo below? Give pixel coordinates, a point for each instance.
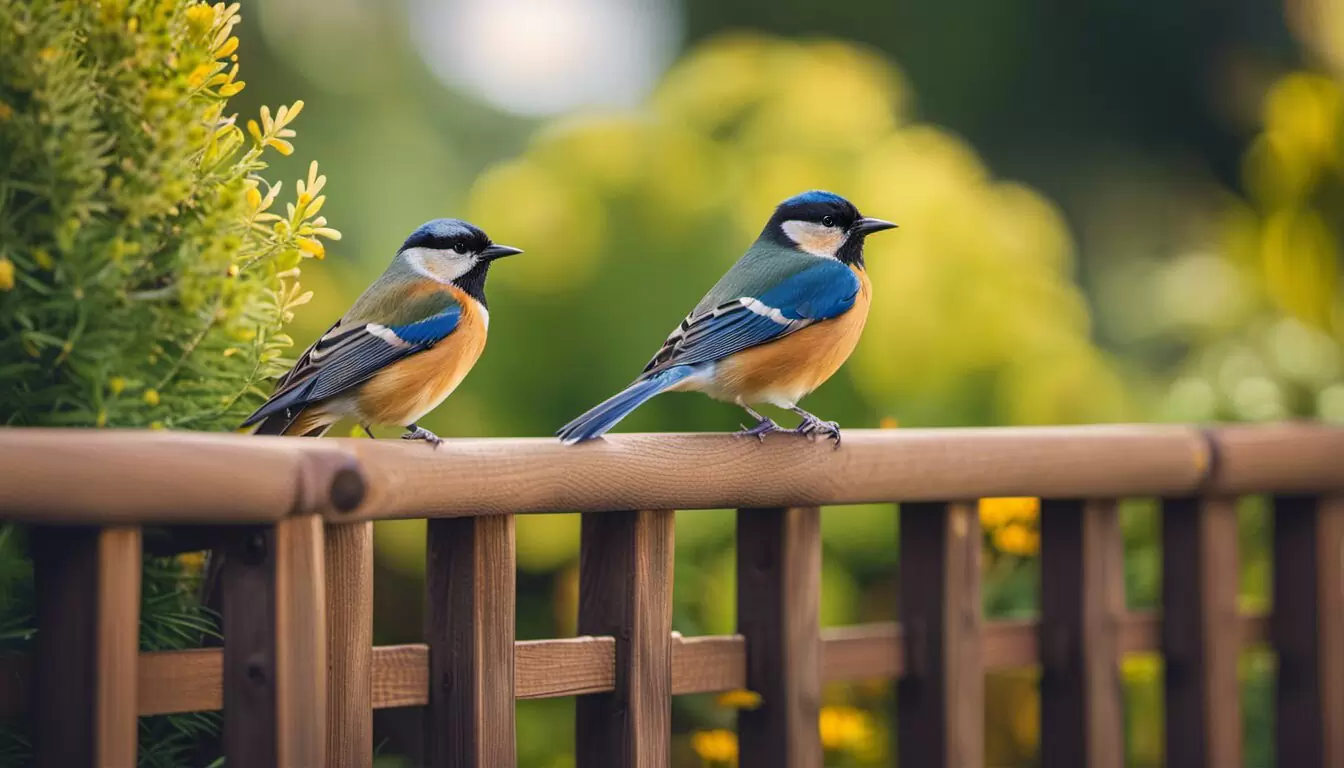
(298, 677)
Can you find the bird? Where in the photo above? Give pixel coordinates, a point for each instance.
(407, 342)
(776, 326)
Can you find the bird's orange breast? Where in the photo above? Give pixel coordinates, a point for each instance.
(784, 371)
(408, 389)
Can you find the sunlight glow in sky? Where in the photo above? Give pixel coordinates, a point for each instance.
(542, 57)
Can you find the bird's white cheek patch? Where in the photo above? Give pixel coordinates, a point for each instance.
(441, 266)
(815, 238)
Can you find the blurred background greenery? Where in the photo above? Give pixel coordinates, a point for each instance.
(1109, 211)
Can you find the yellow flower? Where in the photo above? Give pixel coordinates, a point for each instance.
(312, 246)
(1017, 539)
(156, 425)
(227, 48)
(192, 562)
(6, 274)
(845, 728)
(716, 747)
(995, 513)
(198, 75)
(888, 422)
(43, 259)
(739, 699)
(200, 18)
(232, 89)
(151, 396)
(116, 384)
(281, 146)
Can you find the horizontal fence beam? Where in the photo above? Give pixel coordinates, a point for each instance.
(192, 681)
(105, 476)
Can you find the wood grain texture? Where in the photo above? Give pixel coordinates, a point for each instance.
(248, 615)
(1279, 458)
(625, 591)
(778, 604)
(716, 471)
(1082, 599)
(301, 641)
(469, 622)
(120, 552)
(349, 579)
(1308, 630)
(108, 476)
(88, 611)
(1200, 634)
(63, 476)
(940, 700)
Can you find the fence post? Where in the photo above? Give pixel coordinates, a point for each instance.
(348, 553)
(88, 621)
(778, 604)
(273, 595)
(940, 701)
(1201, 638)
(1082, 599)
(625, 590)
(1308, 629)
(469, 625)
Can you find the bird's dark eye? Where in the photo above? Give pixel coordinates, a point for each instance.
(828, 221)
(460, 247)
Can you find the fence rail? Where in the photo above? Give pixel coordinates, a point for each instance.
(298, 676)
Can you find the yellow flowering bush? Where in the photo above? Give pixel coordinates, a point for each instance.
(144, 277)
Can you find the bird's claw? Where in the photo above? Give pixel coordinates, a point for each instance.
(762, 428)
(420, 433)
(814, 427)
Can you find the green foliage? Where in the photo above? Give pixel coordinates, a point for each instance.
(142, 281)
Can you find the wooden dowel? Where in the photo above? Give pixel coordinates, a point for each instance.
(1082, 600)
(471, 578)
(474, 477)
(88, 619)
(1308, 630)
(1200, 632)
(940, 705)
(778, 604)
(349, 574)
(625, 591)
(300, 641)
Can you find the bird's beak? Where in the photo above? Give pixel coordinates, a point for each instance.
(867, 226)
(499, 252)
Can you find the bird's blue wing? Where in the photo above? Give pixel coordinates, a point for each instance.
(348, 355)
(817, 293)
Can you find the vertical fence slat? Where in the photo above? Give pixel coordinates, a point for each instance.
(349, 565)
(1082, 597)
(778, 603)
(88, 620)
(470, 630)
(1201, 637)
(940, 701)
(625, 590)
(1308, 630)
(247, 604)
(300, 642)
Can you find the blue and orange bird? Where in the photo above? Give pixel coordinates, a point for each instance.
(403, 347)
(780, 323)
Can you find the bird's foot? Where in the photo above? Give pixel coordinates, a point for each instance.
(763, 427)
(420, 433)
(815, 427)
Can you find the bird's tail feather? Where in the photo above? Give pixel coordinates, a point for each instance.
(606, 415)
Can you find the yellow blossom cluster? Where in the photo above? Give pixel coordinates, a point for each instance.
(1012, 524)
